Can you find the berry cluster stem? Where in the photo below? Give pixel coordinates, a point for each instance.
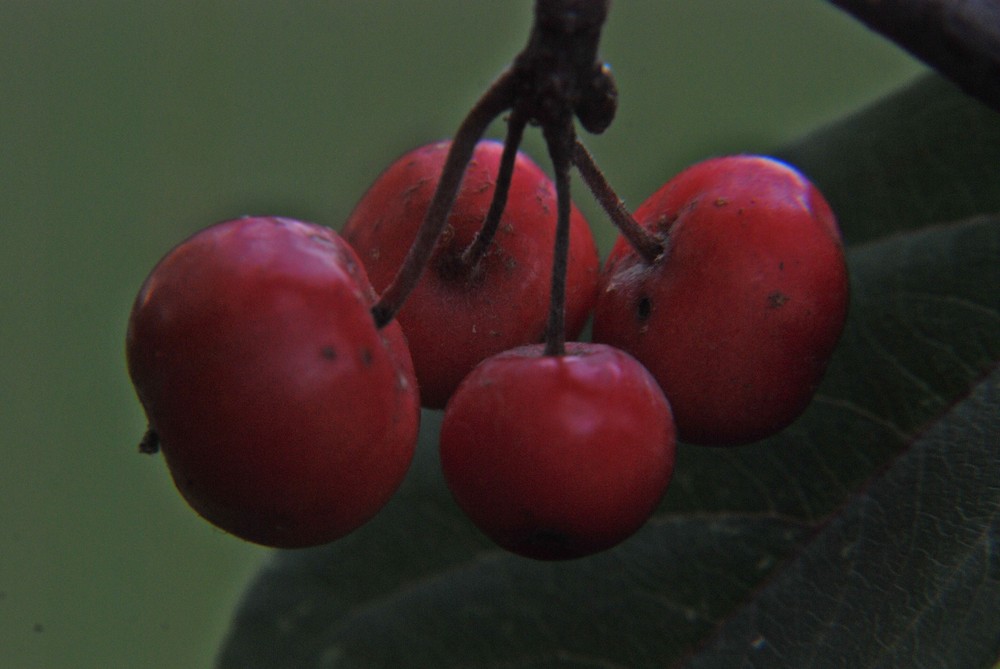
(560, 149)
(493, 102)
(645, 243)
(555, 77)
(477, 249)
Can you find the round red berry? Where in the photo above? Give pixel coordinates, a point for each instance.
(739, 316)
(458, 315)
(284, 416)
(557, 457)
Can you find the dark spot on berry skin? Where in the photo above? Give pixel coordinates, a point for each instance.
(449, 266)
(38, 628)
(777, 299)
(284, 522)
(366, 357)
(721, 202)
(644, 308)
(548, 544)
(328, 353)
(543, 196)
(413, 189)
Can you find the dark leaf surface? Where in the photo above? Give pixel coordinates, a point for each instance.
(420, 587)
(924, 325)
(925, 155)
(907, 576)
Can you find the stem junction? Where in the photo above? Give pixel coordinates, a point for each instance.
(556, 77)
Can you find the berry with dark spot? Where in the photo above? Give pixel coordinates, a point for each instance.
(739, 316)
(460, 313)
(558, 456)
(284, 416)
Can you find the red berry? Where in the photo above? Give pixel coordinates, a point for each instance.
(739, 316)
(284, 416)
(557, 457)
(456, 318)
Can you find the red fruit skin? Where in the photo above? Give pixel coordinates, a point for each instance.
(739, 317)
(560, 457)
(454, 321)
(284, 416)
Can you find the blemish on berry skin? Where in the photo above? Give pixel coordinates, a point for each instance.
(721, 202)
(547, 541)
(777, 299)
(644, 308)
(366, 357)
(411, 190)
(328, 353)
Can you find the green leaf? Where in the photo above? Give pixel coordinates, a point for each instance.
(420, 587)
(924, 325)
(907, 576)
(490, 608)
(925, 155)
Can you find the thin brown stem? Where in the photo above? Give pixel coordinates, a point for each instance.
(495, 100)
(555, 76)
(644, 242)
(560, 143)
(477, 249)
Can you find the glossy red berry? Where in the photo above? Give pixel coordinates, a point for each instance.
(739, 316)
(458, 316)
(557, 457)
(284, 416)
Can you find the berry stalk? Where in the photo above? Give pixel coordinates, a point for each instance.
(556, 76)
(645, 244)
(494, 101)
(559, 142)
(476, 250)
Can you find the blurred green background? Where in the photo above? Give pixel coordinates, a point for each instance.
(126, 126)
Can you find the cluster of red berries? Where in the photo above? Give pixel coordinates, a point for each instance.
(288, 417)
(282, 366)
